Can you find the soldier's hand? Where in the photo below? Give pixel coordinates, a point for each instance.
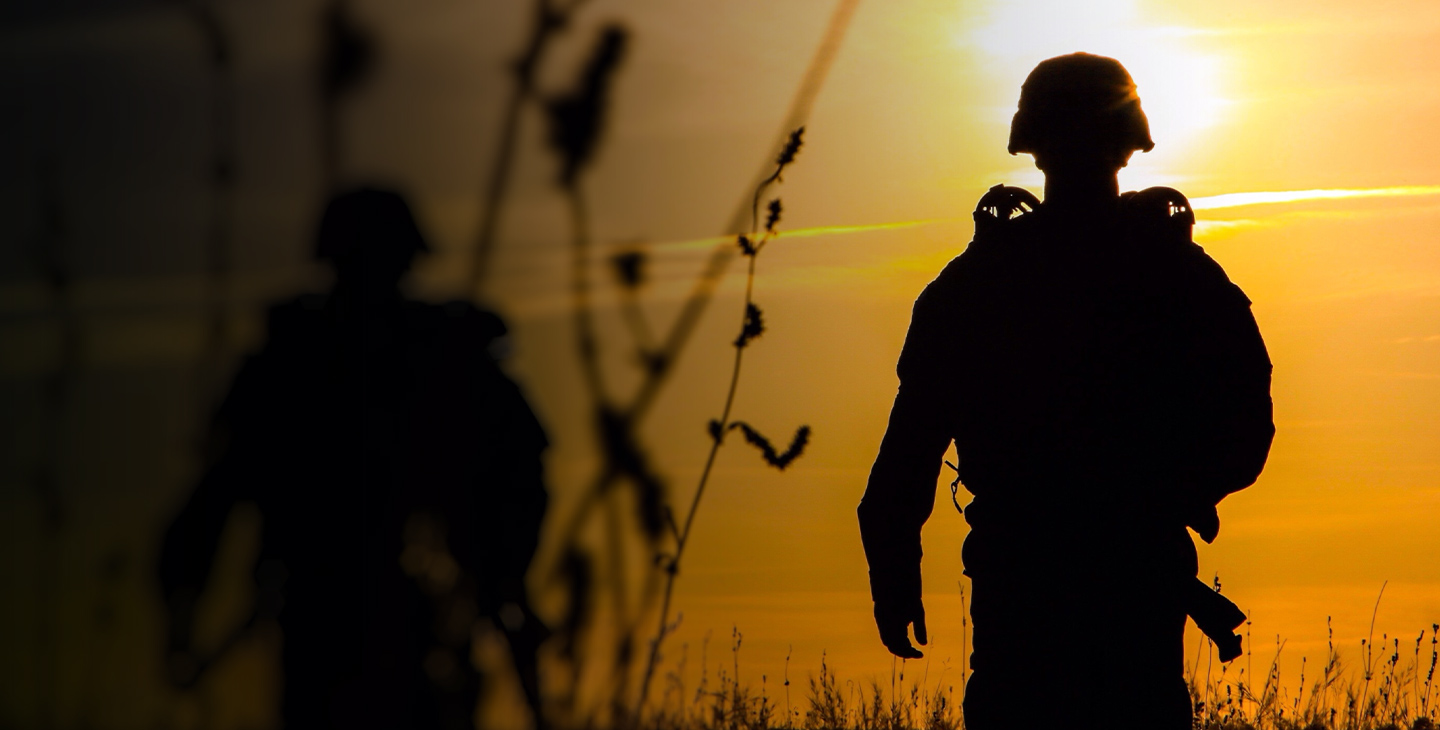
(1205, 521)
(894, 624)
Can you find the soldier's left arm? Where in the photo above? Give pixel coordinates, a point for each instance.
(1232, 372)
(513, 493)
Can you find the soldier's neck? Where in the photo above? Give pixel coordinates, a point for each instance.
(1081, 193)
(359, 299)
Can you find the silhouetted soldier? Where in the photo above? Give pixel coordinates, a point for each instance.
(1105, 386)
(398, 473)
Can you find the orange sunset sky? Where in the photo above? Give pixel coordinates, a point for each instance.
(1304, 131)
(1290, 99)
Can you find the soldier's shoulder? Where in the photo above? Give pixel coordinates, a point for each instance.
(997, 216)
(1003, 217)
(1163, 218)
(299, 307)
(1159, 213)
(297, 315)
(475, 321)
(456, 315)
(1003, 212)
(461, 324)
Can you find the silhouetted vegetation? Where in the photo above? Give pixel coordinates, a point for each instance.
(1377, 693)
(628, 503)
(751, 327)
(576, 120)
(550, 19)
(829, 703)
(349, 54)
(1389, 688)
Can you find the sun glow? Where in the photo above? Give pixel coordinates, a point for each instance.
(1178, 83)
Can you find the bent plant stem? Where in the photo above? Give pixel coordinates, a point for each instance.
(672, 567)
(549, 21)
(678, 334)
(654, 378)
(589, 356)
(662, 359)
(639, 329)
(580, 297)
(607, 415)
(1369, 668)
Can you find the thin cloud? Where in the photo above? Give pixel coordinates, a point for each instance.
(1237, 200)
(1211, 202)
(704, 243)
(1204, 230)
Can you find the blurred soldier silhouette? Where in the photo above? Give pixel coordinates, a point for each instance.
(398, 474)
(1105, 386)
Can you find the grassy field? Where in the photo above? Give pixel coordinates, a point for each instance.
(1390, 687)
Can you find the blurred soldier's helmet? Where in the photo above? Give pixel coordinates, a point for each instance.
(366, 222)
(1077, 101)
(370, 233)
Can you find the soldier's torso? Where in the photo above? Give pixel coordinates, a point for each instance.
(363, 418)
(1069, 343)
(1070, 352)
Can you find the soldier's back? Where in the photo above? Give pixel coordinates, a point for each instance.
(1065, 347)
(1070, 351)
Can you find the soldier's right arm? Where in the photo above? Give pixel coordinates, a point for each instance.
(522, 446)
(900, 494)
(187, 553)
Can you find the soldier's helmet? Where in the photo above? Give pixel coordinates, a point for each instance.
(371, 233)
(1077, 101)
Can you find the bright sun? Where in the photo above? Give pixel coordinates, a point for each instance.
(1178, 84)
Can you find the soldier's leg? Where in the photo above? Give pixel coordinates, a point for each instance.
(1072, 633)
(1134, 597)
(1024, 664)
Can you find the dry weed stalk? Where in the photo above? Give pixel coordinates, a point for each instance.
(575, 122)
(752, 325)
(1380, 695)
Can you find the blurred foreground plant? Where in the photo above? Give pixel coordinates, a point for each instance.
(627, 497)
(576, 119)
(576, 123)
